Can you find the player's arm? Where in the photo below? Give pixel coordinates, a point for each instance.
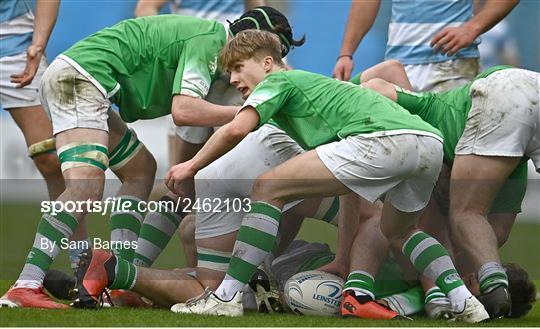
(149, 7)
(250, 4)
(361, 17)
(193, 111)
(221, 142)
(46, 12)
(451, 39)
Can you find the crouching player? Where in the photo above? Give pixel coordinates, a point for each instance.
(491, 128)
(364, 143)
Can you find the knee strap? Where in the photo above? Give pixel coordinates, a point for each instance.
(80, 154)
(45, 146)
(126, 150)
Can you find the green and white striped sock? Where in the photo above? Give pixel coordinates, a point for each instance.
(48, 239)
(361, 283)
(126, 225)
(328, 210)
(431, 259)
(125, 274)
(256, 238)
(433, 294)
(492, 275)
(156, 232)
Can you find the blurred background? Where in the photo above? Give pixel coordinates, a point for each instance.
(323, 23)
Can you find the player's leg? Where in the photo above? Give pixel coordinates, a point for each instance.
(490, 148)
(389, 70)
(186, 232)
(135, 167)
(475, 183)
(158, 227)
(82, 149)
(37, 130)
(24, 106)
(303, 176)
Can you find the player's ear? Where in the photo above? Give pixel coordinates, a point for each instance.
(268, 63)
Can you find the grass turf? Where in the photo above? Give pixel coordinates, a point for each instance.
(17, 227)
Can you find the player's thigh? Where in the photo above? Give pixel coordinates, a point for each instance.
(33, 122)
(303, 176)
(476, 180)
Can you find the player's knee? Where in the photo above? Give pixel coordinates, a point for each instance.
(85, 189)
(265, 188)
(394, 65)
(376, 84)
(186, 230)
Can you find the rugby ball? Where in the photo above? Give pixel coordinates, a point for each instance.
(314, 293)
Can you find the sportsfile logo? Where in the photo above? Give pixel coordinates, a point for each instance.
(328, 292)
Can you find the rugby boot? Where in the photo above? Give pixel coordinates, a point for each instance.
(497, 302)
(439, 308)
(210, 304)
(352, 307)
(30, 298)
(473, 311)
(59, 284)
(95, 272)
(266, 292)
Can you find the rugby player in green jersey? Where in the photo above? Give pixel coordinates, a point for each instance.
(364, 144)
(491, 129)
(148, 67)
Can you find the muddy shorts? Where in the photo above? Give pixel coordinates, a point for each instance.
(404, 167)
(11, 97)
(504, 118)
(71, 100)
(442, 76)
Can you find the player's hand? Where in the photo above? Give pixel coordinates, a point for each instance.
(451, 39)
(335, 267)
(343, 69)
(33, 58)
(178, 174)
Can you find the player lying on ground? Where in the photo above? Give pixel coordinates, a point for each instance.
(148, 72)
(354, 131)
(392, 288)
(485, 146)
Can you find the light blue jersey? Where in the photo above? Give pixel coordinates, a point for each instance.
(220, 10)
(16, 26)
(414, 23)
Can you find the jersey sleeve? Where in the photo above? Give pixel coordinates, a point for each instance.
(415, 103)
(197, 67)
(269, 97)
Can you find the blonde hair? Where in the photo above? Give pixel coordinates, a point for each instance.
(251, 44)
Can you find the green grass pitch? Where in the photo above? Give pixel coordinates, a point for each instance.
(18, 223)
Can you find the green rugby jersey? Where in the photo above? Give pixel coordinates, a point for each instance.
(315, 110)
(448, 111)
(142, 63)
